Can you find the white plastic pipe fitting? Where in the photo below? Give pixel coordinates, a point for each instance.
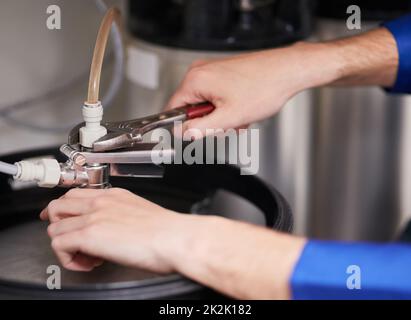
(93, 130)
(46, 172)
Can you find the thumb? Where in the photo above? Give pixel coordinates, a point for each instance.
(182, 98)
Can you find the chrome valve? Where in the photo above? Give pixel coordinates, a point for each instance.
(85, 169)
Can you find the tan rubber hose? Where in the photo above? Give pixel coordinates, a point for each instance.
(113, 15)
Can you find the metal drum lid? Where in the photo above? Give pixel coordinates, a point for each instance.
(25, 252)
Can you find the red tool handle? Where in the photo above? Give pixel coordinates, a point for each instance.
(199, 110)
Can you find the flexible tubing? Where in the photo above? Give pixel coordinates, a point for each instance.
(7, 168)
(119, 60)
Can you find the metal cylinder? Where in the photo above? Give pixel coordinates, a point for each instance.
(155, 72)
(159, 56)
(358, 152)
(94, 176)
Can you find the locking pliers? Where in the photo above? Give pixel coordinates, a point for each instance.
(121, 151)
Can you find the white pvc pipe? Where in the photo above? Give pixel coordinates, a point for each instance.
(8, 168)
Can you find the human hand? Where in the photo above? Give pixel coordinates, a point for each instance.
(253, 86)
(89, 226)
(248, 87)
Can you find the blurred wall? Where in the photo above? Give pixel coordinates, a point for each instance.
(34, 60)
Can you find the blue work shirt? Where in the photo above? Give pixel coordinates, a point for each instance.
(338, 270)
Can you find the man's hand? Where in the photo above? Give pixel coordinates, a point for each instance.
(115, 225)
(235, 258)
(243, 88)
(253, 86)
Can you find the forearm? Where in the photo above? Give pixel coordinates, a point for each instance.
(367, 59)
(238, 259)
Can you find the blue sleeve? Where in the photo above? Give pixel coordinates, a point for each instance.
(401, 30)
(338, 270)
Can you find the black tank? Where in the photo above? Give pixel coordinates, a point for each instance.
(220, 25)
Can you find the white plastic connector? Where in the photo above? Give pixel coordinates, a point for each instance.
(93, 130)
(46, 172)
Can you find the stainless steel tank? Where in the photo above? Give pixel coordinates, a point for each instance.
(360, 151)
(158, 60)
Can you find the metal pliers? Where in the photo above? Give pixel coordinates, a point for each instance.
(121, 151)
(129, 133)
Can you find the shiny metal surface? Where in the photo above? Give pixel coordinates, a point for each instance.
(128, 133)
(73, 154)
(137, 155)
(359, 159)
(72, 175)
(124, 134)
(92, 169)
(284, 140)
(140, 171)
(25, 254)
(98, 176)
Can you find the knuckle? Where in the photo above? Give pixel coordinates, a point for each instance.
(56, 244)
(91, 219)
(103, 216)
(99, 202)
(52, 208)
(197, 73)
(117, 191)
(92, 231)
(51, 229)
(72, 192)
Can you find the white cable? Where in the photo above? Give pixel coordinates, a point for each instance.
(8, 168)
